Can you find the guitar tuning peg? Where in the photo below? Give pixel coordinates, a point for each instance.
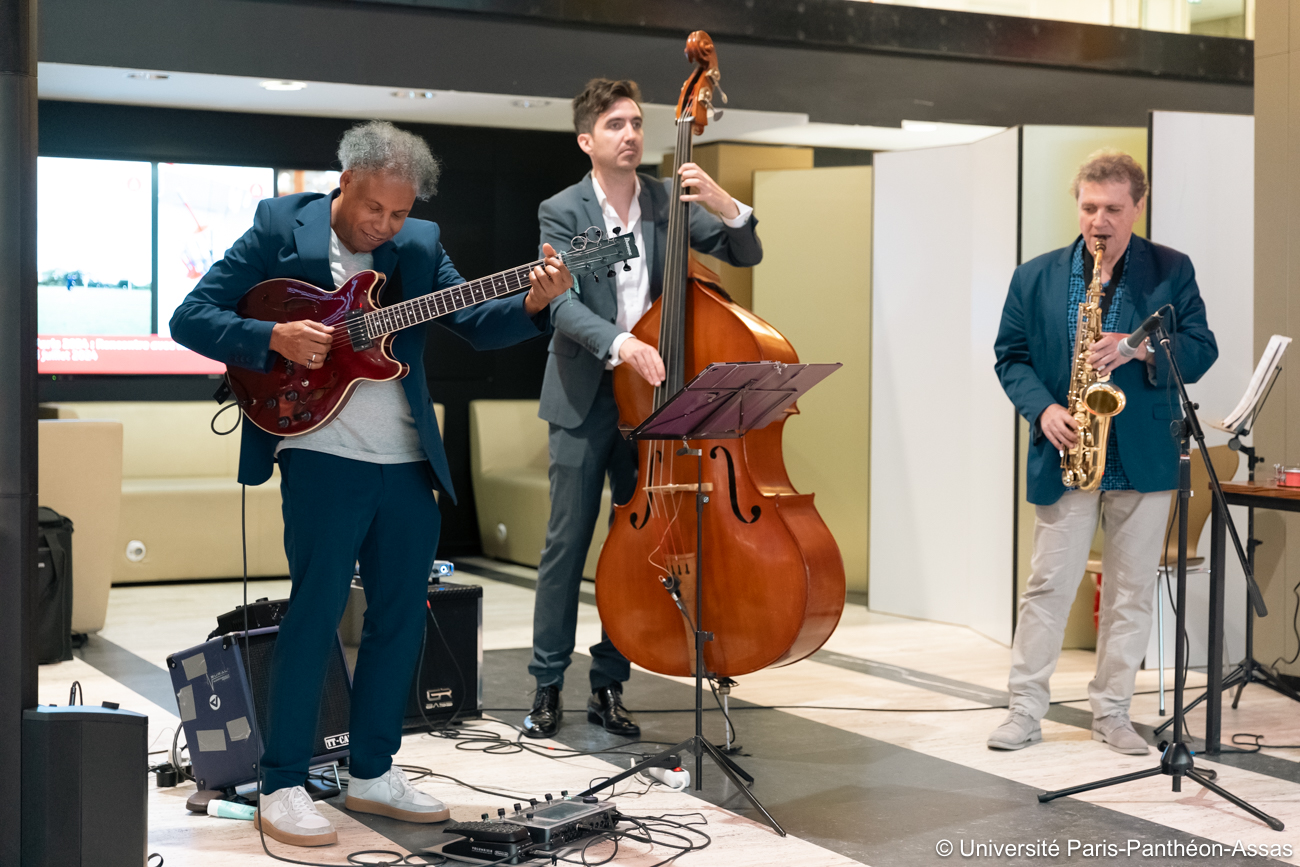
(595, 277)
(611, 273)
(627, 267)
(617, 229)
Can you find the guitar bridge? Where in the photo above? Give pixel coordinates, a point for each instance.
(355, 320)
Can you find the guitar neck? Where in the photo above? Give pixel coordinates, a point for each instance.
(425, 308)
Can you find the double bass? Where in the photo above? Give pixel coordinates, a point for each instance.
(773, 589)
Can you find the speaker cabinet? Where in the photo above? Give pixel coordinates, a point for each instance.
(84, 787)
(449, 679)
(222, 699)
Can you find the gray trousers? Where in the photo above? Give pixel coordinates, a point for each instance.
(1134, 524)
(581, 457)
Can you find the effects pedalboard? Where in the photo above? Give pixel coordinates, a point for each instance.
(536, 830)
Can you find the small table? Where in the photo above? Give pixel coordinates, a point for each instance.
(1256, 495)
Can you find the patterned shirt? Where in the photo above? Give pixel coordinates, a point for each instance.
(1114, 478)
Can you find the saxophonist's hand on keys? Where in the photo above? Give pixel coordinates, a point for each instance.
(1059, 427)
(1104, 355)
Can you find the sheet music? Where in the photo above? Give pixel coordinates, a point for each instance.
(1269, 363)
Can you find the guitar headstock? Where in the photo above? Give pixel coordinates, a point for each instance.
(590, 254)
(701, 87)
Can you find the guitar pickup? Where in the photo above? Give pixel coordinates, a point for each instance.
(355, 321)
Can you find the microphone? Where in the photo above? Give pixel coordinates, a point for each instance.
(1128, 347)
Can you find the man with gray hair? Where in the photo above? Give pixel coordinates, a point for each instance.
(360, 488)
(1035, 348)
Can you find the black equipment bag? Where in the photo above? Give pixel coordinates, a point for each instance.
(53, 604)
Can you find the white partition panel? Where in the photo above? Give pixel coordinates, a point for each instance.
(942, 431)
(1203, 204)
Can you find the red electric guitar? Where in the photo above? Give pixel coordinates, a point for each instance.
(289, 400)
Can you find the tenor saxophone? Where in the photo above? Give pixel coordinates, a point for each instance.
(1093, 400)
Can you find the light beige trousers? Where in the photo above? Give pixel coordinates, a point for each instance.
(1134, 524)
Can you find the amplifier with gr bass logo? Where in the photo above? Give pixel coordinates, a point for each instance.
(222, 699)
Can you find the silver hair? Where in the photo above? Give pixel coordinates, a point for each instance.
(378, 146)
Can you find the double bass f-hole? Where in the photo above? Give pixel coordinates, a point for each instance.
(755, 511)
(649, 495)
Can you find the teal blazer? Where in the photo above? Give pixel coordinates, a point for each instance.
(290, 238)
(1034, 358)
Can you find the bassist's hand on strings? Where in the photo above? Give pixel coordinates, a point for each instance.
(1059, 427)
(548, 283)
(304, 342)
(705, 190)
(644, 359)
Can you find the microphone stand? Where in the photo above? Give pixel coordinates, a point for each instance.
(1176, 761)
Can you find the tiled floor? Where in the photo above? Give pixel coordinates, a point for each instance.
(884, 782)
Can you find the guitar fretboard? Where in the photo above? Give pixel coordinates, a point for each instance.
(427, 307)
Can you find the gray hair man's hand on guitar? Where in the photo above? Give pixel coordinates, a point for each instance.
(548, 283)
(305, 343)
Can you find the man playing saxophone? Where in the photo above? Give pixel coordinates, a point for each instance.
(1035, 362)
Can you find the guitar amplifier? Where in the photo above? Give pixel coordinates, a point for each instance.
(222, 699)
(449, 679)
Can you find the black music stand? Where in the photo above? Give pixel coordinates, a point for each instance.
(725, 401)
(1249, 670)
(1176, 761)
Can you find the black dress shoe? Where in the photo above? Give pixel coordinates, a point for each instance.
(605, 707)
(548, 708)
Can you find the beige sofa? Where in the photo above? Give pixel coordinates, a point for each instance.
(180, 515)
(180, 509)
(80, 477)
(508, 466)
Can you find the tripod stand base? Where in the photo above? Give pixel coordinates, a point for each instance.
(1176, 763)
(697, 746)
(1248, 671)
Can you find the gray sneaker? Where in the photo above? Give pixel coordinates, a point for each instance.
(1017, 731)
(1115, 731)
(290, 816)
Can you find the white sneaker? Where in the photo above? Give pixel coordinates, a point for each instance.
(1017, 731)
(290, 816)
(392, 796)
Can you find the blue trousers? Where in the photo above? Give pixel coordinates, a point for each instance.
(338, 511)
(581, 457)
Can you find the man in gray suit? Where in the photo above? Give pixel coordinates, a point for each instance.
(593, 323)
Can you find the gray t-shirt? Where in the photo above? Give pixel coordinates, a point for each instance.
(376, 425)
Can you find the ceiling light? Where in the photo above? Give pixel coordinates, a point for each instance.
(530, 103)
(284, 85)
(920, 126)
(148, 76)
(413, 94)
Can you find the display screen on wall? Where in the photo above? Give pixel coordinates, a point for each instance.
(111, 272)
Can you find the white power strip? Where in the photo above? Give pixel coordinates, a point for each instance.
(677, 779)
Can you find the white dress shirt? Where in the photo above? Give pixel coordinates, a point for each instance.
(632, 288)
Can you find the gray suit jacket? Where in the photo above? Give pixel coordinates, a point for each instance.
(583, 317)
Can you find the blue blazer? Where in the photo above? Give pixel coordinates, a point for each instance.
(1034, 356)
(290, 238)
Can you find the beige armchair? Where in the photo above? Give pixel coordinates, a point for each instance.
(80, 476)
(512, 493)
